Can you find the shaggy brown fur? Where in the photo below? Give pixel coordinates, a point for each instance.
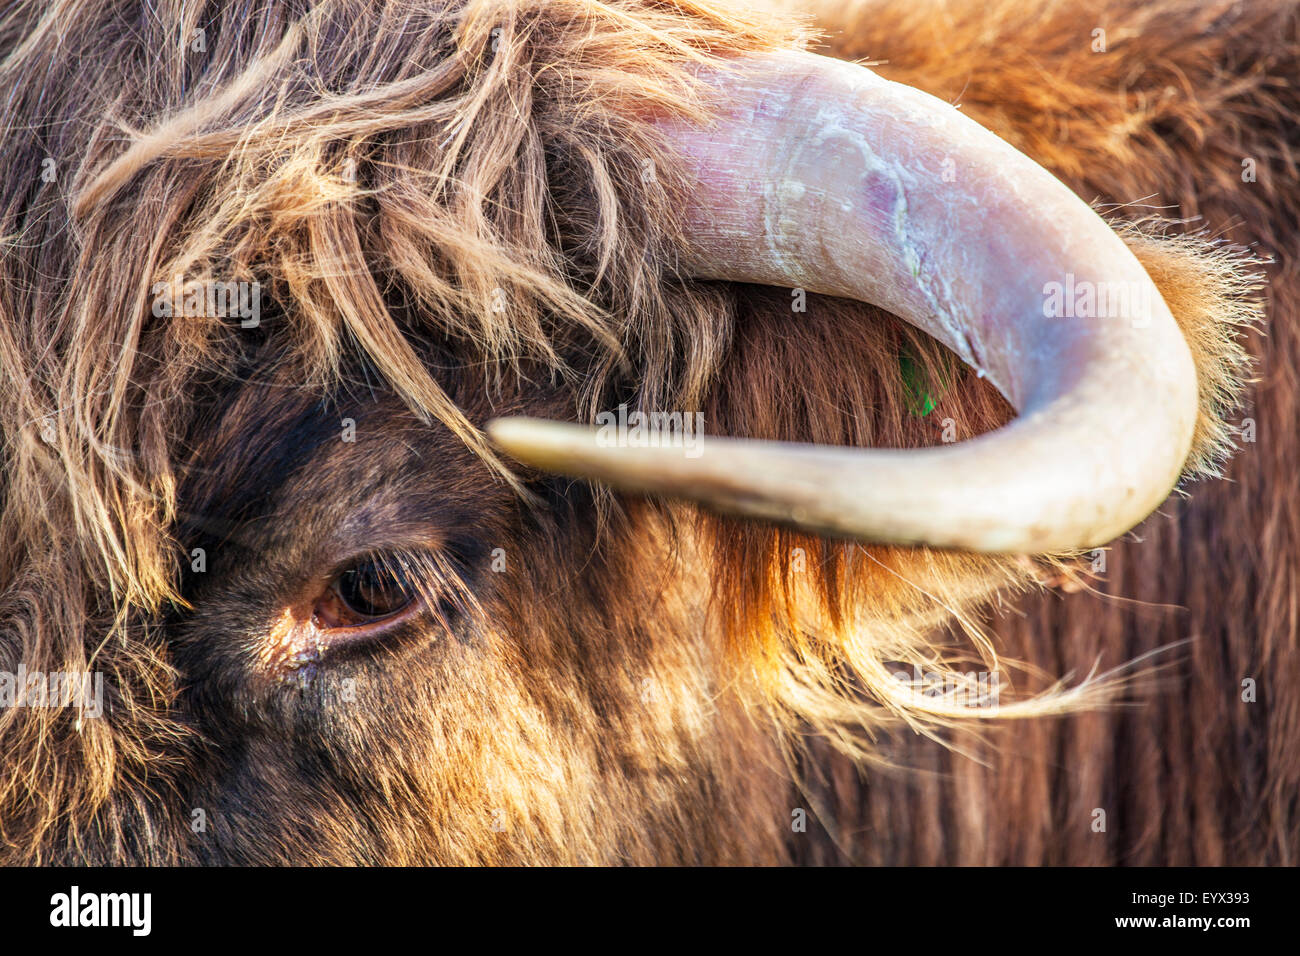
(1185, 92)
(626, 689)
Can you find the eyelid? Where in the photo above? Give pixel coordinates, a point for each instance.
(409, 559)
(407, 610)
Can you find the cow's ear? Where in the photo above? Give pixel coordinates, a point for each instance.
(797, 608)
(812, 368)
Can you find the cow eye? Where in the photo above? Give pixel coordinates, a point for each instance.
(369, 591)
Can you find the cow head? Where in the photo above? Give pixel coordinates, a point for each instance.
(337, 622)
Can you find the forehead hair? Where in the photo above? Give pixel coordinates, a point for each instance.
(479, 173)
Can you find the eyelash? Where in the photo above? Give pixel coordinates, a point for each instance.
(427, 578)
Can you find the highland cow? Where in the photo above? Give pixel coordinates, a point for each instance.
(367, 582)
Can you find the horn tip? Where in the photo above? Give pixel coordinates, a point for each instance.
(534, 441)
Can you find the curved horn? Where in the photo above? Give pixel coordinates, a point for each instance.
(821, 175)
